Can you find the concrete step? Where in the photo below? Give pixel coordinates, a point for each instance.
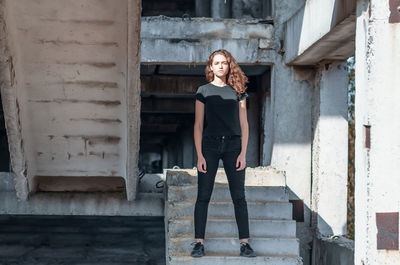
(256, 209)
(221, 192)
(259, 176)
(220, 259)
(228, 228)
(231, 246)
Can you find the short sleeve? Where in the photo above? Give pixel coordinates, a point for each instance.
(242, 96)
(200, 94)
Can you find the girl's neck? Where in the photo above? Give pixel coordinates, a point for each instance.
(218, 81)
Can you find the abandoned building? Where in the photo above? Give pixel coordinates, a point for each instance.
(97, 119)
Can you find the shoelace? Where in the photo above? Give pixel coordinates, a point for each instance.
(194, 243)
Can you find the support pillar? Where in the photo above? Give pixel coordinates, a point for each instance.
(221, 8)
(330, 150)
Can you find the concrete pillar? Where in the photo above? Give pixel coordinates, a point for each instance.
(203, 8)
(377, 124)
(267, 8)
(330, 150)
(237, 8)
(221, 8)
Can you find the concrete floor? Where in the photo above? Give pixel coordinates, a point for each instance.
(27, 239)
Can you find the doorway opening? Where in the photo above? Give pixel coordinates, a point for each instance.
(167, 114)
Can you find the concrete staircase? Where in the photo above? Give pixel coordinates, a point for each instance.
(272, 230)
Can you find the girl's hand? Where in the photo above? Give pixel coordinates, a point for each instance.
(241, 161)
(201, 164)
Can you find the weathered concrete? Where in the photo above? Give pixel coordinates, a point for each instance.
(290, 144)
(232, 260)
(68, 107)
(81, 240)
(333, 251)
(79, 203)
(330, 150)
(331, 38)
(377, 157)
(132, 97)
(259, 176)
(11, 107)
(199, 36)
(272, 232)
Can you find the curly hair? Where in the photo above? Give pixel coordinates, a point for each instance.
(235, 77)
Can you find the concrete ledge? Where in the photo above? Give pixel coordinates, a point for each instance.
(74, 203)
(192, 40)
(321, 30)
(333, 251)
(78, 203)
(258, 176)
(195, 29)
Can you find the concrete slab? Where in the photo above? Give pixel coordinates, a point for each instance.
(228, 227)
(235, 260)
(231, 246)
(221, 192)
(256, 209)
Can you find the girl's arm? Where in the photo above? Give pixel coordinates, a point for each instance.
(198, 127)
(243, 125)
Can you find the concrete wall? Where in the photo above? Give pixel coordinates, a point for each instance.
(330, 150)
(377, 197)
(72, 89)
(333, 251)
(149, 202)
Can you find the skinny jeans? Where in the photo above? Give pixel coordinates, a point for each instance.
(228, 149)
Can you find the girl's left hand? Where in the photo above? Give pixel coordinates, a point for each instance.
(241, 160)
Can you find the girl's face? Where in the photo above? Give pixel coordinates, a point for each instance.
(220, 66)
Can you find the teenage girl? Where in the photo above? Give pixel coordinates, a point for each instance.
(221, 132)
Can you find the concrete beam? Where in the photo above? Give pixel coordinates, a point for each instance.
(11, 109)
(247, 39)
(321, 30)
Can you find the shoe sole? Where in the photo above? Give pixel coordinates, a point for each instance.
(248, 256)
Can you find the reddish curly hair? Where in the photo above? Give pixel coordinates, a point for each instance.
(235, 77)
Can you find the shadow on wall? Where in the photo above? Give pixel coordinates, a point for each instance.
(4, 153)
(327, 249)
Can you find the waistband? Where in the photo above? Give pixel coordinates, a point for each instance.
(219, 137)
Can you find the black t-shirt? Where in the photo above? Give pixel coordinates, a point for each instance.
(221, 110)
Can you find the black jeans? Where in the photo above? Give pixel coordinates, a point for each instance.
(228, 149)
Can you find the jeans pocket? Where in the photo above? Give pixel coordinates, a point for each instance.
(236, 144)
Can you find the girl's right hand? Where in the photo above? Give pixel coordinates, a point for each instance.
(201, 164)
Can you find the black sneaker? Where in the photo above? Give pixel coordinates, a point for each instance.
(246, 250)
(198, 250)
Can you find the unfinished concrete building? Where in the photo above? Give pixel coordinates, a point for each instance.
(98, 106)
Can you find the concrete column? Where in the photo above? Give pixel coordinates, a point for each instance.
(267, 8)
(377, 142)
(330, 150)
(237, 8)
(221, 8)
(203, 8)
